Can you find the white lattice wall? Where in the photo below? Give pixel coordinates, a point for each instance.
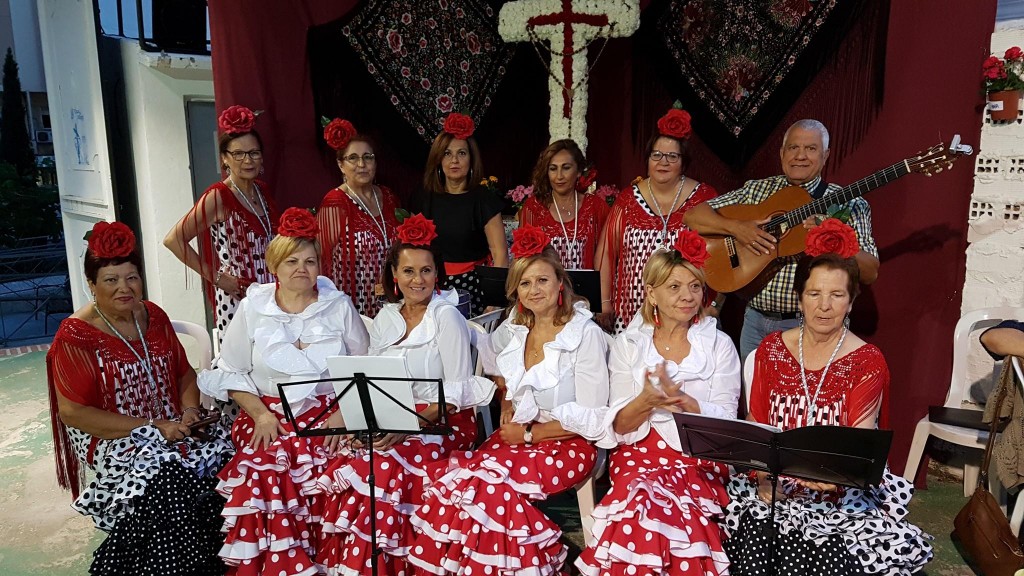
(995, 254)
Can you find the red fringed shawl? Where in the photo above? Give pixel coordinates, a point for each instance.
(225, 202)
(93, 368)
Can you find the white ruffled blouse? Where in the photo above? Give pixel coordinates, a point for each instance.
(710, 373)
(258, 350)
(570, 384)
(438, 347)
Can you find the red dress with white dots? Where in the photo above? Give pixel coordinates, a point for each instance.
(480, 516)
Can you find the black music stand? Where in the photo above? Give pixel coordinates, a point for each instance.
(839, 455)
(363, 385)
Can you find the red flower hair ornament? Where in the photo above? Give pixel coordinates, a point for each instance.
(676, 124)
(832, 235)
(586, 179)
(236, 120)
(417, 230)
(338, 133)
(298, 223)
(459, 125)
(528, 240)
(110, 240)
(692, 247)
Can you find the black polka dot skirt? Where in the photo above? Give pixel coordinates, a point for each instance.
(469, 282)
(175, 529)
(848, 533)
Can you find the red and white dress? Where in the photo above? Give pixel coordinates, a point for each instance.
(846, 532)
(631, 234)
(479, 516)
(574, 240)
(236, 246)
(662, 512)
(437, 347)
(353, 244)
(272, 515)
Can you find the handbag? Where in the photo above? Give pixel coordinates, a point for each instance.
(981, 527)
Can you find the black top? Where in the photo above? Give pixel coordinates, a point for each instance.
(460, 221)
(1003, 324)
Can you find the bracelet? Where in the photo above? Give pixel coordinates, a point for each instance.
(150, 422)
(193, 408)
(608, 300)
(217, 277)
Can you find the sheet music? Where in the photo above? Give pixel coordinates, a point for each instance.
(767, 427)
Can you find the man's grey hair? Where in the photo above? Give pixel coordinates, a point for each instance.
(810, 125)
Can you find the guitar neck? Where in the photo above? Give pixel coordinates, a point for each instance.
(855, 190)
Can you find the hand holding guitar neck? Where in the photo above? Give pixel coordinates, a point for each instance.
(751, 235)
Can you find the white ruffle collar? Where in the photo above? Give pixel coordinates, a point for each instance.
(544, 375)
(699, 364)
(276, 331)
(389, 325)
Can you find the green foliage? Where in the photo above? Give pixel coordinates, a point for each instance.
(28, 210)
(15, 146)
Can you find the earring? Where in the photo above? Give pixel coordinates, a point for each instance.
(470, 173)
(227, 169)
(396, 289)
(521, 310)
(440, 174)
(657, 318)
(438, 289)
(560, 297)
(262, 170)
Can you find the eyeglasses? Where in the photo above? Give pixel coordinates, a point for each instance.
(670, 157)
(239, 155)
(355, 158)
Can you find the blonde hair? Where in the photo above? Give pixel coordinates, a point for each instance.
(656, 272)
(515, 275)
(281, 247)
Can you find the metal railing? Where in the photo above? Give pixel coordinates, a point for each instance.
(173, 26)
(33, 281)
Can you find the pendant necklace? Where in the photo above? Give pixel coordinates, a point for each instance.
(813, 401)
(265, 218)
(382, 225)
(147, 362)
(661, 213)
(571, 245)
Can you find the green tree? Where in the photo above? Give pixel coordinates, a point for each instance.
(15, 146)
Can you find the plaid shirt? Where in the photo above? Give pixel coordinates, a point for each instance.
(778, 295)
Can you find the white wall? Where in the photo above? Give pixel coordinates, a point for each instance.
(68, 40)
(157, 87)
(995, 255)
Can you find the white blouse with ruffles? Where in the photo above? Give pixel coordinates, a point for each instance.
(437, 347)
(259, 351)
(710, 373)
(570, 384)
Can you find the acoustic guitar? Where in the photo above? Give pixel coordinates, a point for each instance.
(733, 268)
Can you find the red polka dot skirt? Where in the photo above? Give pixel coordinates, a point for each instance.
(479, 517)
(660, 516)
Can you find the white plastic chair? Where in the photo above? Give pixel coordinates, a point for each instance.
(202, 338)
(483, 412)
(585, 494)
(959, 391)
(205, 346)
(489, 321)
(748, 376)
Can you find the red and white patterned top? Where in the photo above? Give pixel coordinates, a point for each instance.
(575, 243)
(353, 245)
(850, 392)
(631, 234)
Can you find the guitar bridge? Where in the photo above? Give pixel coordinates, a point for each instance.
(734, 257)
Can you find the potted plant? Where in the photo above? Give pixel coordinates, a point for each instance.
(1004, 82)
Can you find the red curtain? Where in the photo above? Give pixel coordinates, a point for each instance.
(931, 91)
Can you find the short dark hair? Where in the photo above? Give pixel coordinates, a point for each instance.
(391, 262)
(682, 147)
(228, 137)
(829, 261)
(93, 263)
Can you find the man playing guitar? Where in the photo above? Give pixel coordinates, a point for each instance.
(803, 155)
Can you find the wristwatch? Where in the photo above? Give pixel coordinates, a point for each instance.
(528, 434)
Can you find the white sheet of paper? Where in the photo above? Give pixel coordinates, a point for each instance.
(389, 415)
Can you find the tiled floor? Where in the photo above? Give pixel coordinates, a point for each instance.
(40, 534)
